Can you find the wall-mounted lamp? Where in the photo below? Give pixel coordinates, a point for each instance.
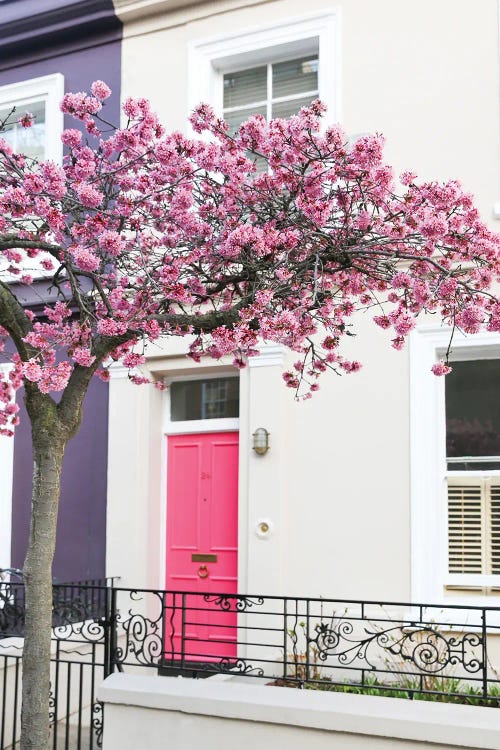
(261, 441)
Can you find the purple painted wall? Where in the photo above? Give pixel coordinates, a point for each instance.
(83, 42)
(81, 527)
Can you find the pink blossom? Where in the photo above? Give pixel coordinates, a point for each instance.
(470, 319)
(401, 279)
(139, 380)
(398, 343)
(202, 118)
(108, 327)
(111, 242)
(33, 183)
(32, 371)
(440, 368)
(71, 137)
(133, 360)
(131, 108)
(89, 196)
(103, 375)
(55, 179)
(382, 321)
(351, 366)
(86, 259)
(170, 227)
(83, 356)
(406, 178)
(100, 90)
(27, 120)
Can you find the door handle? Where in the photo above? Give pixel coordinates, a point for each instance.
(203, 571)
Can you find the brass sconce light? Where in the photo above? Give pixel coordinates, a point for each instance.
(261, 441)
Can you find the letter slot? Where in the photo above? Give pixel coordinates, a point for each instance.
(204, 558)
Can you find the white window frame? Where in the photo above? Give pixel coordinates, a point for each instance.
(6, 476)
(51, 90)
(185, 427)
(429, 551)
(317, 33)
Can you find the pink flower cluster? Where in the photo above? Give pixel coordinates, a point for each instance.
(153, 234)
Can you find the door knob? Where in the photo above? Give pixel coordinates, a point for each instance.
(203, 571)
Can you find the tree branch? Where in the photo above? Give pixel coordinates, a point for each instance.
(203, 322)
(15, 321)
(13, 241)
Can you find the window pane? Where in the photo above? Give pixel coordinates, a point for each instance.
(295, 76)
(245, 87)
(214, 398)
(29, 141)
(473, 412)
(234, 119)
(286, 109)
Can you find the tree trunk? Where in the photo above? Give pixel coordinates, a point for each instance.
(48, 452)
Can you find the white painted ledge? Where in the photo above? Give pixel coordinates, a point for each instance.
(395, 718)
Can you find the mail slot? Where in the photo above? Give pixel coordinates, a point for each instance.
(204, 558)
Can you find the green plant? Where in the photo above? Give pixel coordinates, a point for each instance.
(304, 662)
(469, 694)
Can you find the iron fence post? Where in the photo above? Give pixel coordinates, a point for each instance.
(485, 654)
(183, 629)
(285, 641)
(110, 620)
(308, 659)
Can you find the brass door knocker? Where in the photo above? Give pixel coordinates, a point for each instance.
(203, 571)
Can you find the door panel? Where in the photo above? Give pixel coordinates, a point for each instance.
(184, 518)
(202, 519)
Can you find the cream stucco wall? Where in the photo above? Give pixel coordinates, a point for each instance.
(425, 74)
(141, 711)
(336, 482)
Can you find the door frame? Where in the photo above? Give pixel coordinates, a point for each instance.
(188, 427)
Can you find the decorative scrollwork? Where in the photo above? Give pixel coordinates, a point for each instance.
(12, 606)
(422, 647)
(233, 602)
(87, 631)
(52, 707)
(228, 665)
(142, 633)
(240, 666)
(71, 606)
(98, 721)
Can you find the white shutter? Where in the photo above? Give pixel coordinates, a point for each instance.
(494, 524)
(466, 552)
(474, 525)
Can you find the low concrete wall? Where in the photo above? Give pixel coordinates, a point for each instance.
(220, 714)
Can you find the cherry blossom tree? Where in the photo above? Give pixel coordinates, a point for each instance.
(144, 235)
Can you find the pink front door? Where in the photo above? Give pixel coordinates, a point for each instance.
(202, 544)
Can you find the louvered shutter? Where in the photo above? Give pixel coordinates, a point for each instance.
(494, 522)
(272, 90)
(276, 89)
(474, 525)
(465, 526)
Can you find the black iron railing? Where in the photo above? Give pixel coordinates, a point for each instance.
(80, 660)
(71, 601)
(440, 652)
(407, 649)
